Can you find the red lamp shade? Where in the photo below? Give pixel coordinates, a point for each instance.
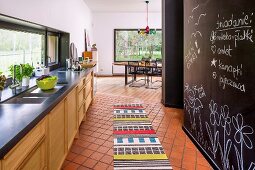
(147, 30)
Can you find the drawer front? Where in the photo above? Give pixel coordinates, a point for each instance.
(81, 85)
(81, 114)
(17, 156)
(88, 77)
(88, 101)
(37, 159)
(80, 98)
(88, 88)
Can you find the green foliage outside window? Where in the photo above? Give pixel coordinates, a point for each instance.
(2, 81)
(131, 46)
(18, 47)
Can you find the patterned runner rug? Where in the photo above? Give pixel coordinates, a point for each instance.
(136, 145)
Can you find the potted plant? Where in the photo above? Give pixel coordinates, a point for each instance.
(27, 71)
(2, 83)
(18, 74)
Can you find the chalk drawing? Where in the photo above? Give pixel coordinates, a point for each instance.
(219, 127)
(200, 16)
(193, 105)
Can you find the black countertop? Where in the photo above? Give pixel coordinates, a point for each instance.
(16, 120)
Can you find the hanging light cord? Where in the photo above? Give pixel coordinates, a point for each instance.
(147, 10)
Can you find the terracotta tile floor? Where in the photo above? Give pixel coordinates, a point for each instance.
(94, 148)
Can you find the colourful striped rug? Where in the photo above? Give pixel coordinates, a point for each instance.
(136, 145)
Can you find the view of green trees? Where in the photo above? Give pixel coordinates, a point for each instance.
(20, 47)
(131, 46)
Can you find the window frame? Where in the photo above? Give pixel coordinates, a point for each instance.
(52, 65)
(16, 24)
(133, 29)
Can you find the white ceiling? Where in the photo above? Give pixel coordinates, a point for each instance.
(123, 5)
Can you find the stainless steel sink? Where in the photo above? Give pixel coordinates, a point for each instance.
(33, 96)
(38, 91)
(26, 100)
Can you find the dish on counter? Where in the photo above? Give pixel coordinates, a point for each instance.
(46, 82)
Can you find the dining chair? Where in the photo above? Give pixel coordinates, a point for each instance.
(155, 70)
(133, 69)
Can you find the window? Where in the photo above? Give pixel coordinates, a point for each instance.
(52, 48)
(131, 46)
(18, 47)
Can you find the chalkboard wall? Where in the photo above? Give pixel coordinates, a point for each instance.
(219, 80)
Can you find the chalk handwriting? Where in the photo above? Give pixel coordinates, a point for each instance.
(233, 22)
(224, 81)
(243, 35)
(226, 50)
(235, 70)
(237, 36)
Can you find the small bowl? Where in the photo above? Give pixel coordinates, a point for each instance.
(47, 84)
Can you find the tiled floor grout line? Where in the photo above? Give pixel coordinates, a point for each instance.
(183, 153)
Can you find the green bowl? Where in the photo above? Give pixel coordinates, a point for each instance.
(47, 83)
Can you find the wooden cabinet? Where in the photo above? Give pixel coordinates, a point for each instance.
(37, 160)
(88, 77)
(72, 118)
(57, 148)
(47, 144)
(88, 88)
(88, 92)
(88, 100)
(30, 152)
(81, 113)
(81, 98)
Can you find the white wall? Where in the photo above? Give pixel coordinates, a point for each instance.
(103, 28)
(71, 16)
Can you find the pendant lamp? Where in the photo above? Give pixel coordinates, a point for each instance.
(147, 30)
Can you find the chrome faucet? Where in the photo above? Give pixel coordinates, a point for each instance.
(14, 84)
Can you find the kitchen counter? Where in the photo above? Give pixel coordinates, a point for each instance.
(16, 120)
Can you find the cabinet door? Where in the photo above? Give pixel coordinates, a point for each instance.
(72, 117)
(57, 136)
(80, 98)
(88, 88)
(29, 152)
(88, 100)
(37, 159)
(81, 114)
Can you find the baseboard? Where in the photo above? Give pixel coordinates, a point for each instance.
(104, 75)
(118, 74)
(110, 75)
(172, 105)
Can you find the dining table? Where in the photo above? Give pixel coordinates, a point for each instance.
(135, 64)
